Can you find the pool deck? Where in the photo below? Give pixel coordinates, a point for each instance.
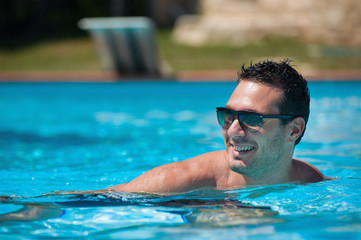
(182, 76)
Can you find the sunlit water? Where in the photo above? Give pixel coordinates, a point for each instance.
(77, 136)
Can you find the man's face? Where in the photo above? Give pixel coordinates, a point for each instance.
(256, 153)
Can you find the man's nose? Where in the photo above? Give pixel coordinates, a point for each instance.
(237, 129)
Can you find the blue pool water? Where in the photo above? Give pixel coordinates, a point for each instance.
(81, 136)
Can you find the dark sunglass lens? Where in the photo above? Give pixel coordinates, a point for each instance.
(251, 120)
(225, 118)
(220, 117)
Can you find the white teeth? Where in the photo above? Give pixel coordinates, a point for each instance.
(242, 149)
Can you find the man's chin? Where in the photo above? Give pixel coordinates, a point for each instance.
(242, 158)
(235, 164)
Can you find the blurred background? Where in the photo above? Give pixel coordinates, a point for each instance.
(195, 38)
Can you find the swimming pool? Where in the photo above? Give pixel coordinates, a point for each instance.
(80, 136)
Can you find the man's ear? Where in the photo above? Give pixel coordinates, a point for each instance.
(297, 127)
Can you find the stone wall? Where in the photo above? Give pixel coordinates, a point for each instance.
(237, 21)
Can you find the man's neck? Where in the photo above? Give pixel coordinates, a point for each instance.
(275, 175)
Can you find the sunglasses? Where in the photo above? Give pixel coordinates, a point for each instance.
(253, 121)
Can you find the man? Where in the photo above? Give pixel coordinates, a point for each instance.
(263, 120)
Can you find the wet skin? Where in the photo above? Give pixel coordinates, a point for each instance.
(265, 155)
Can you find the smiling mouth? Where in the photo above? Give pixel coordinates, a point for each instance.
(243, 148)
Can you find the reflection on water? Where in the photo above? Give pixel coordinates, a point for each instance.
(32, 212)
(254, 210)
(211, 212)
(231, 216)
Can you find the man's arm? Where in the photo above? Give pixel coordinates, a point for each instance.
(194, 173)
(175, 177)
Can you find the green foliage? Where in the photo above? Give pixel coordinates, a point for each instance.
(79, 54)
(225, 56)
(59, 55)
(36, 19)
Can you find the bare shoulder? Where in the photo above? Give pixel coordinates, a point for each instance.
(305, 172)
(216, 155)
(212, 162)
(182, 176)
(199, 164)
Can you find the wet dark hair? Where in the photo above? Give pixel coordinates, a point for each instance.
(281, 75)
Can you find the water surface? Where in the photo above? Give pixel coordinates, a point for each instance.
(77, 136)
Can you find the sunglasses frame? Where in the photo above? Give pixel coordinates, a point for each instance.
(260, 116)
